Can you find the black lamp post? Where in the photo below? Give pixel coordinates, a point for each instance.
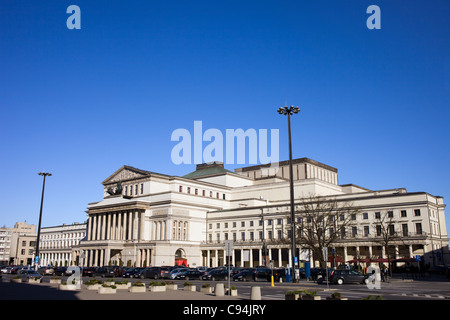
(45, 174)
(290, 111)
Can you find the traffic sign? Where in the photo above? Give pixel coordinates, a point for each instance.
(228, 248)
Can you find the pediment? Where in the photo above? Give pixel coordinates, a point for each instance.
(125, 173)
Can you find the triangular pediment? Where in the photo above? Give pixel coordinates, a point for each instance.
(126, 173)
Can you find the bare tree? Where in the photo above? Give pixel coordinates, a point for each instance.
(321, 222)
(386, 234)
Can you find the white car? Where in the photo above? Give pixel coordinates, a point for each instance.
(6, 270)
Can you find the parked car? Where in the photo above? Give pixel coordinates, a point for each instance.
(157, 273)
(27, 274)
(174, 272)
(6, 269)
(278, 273)
(189, 275)
(246, 275)
(16, 269)
(46, 270)
(60, 271)
(105, 272)
(216, 274)
(129, 273)
(262, 273)
(88, 272)
(348, 276)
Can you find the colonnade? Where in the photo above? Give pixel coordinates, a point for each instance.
(102, 257)
(122, 225)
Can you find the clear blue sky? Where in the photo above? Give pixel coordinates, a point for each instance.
(82, 103)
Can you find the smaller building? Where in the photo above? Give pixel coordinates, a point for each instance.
(58, 244)
(18, 244)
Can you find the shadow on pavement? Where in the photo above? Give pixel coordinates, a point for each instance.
(25, 291)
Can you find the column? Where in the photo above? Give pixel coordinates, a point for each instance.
(94, 227)
(89, 227)
(130, 225)
(141, 225)
(119, 226)
(135, 225)
(108, 226)
(103, 226)
(107, 256)
(99, 225)
(113, 227)
(124, 224)
(208, 257)
(280, 260)
(102, 256)
(251, 258)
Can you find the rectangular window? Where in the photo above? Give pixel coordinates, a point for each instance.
(403, 213)
(378, 231)
(188, 189)
(390, 214)
(366, 231)
(377, 215)
(418, 228)
(252, 235)
(365, 215)
(203, 192)
(405, 229)
(243, 236)
(354, 231)
(142, 188)
(196, 191)
(180, 189)
(417, 212)
(391, 229)
(242, 223)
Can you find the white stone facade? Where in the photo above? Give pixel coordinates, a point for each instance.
(147, 218)
(57, 245)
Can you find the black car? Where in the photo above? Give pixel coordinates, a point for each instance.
(156, 273)
(278, 273)
(262, 273)
(60, 271)
(130, 272)
(88, 272)
(348, 276)
(246, 275)
(189, 275)
(216, 274)
(105, 272)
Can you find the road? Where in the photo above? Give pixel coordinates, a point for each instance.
(395, 289)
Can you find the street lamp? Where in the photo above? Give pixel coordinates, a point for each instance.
(36, 261)
(290, 111)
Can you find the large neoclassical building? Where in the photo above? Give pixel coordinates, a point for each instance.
(147, 218)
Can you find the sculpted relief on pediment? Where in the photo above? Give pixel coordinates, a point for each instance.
(125, 175)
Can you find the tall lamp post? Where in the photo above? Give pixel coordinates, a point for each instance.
(36, 261)
(290, 111)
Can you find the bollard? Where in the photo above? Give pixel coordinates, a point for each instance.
(256, 293)
(220, 290)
